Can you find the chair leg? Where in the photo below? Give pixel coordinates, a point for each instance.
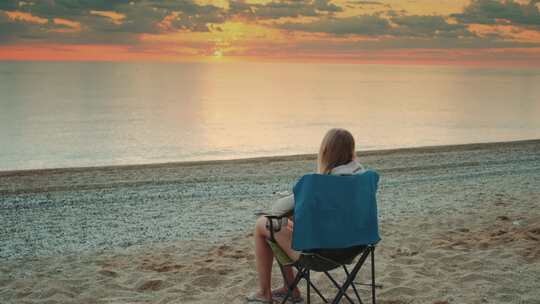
(336, 284)
(350, 278)
(352, 285)
(308, 288)
(318, 292)
(304, 273)
(282, 269)
(301, 273)
(290, 287)
(373, 275)
(313, 286)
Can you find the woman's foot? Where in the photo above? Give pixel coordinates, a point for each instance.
(279, 294)
(256, 298)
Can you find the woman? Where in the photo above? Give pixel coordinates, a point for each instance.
(336, 156)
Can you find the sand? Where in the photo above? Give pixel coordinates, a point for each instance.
(460, 224)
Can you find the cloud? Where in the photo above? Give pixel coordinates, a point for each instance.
(9, 5)
(16, 27)
(427, 26)
(368, 25)
(500, 12)
(116, 18)
(283, 8)
(344, 48)
(376, 25)
(138, 17)
(367, 3)
(326, 6)
(130, 21)
(410, 49)
(66, 9)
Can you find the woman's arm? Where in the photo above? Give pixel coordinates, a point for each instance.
(283, 206)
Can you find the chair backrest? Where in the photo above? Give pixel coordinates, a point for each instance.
(334, 211)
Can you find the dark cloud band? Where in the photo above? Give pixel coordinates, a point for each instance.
(162, 16)
(500, 12)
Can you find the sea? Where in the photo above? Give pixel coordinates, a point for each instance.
(78, 114)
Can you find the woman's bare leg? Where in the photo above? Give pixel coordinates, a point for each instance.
(289, 276)
(265, 257)
(284, 239)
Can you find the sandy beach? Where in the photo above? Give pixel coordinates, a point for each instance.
(459, 224)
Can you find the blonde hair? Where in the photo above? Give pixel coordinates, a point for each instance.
(337, 148)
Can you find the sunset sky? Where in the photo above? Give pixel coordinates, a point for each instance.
(478, 32)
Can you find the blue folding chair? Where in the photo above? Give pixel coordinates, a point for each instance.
(335, 221)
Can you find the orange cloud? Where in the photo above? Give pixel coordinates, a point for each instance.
(524, 57)
(73, 25)
(509, 32)
(114, 16)
(166, 23)
(25, 17)
(95, 52)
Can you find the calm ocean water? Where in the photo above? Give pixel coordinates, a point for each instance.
(89, 114)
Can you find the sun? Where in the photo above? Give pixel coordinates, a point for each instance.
(218, 54)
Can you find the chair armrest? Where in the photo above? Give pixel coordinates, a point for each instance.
(270, 215)
(270, 225)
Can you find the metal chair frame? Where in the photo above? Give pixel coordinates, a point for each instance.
(304, 265)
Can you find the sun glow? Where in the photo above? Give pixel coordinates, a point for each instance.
(218, 54)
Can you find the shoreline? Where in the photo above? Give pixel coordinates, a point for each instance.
(277, 158)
